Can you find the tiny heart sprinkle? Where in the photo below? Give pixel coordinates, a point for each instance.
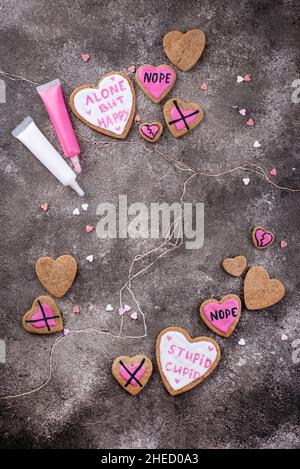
(121, 311)
(204, 87)
(109, 308)
(256, 144)
(90, 258)
(133, 316)
(132, 69)
(283, 244)
(239, 79)
(246, 181)
(242, 112)
(137, 118)
(66, 332)
(44, 206)
(76, 211)
(247, 77)
(76, 309)
(250, 122)
(89, 228)
(273, 172)
(127, 308)
(84, 207)
(242, 342)
(284, 337)
(85, 57)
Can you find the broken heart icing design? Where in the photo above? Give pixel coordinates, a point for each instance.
(156, 82)
(108, 108)
(221, 316)
(151, 131)
(262, 238)
(184, 362)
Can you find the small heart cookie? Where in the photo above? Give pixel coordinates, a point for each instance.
(260, 291)
(184, 49)
(43, 318)
(221, 316)
(109, 107)
(132, 373)
(262, 238)
(184, 362)
(235, 266)
(181, 117)
(156, 82)
(56, 275)
(151, 131)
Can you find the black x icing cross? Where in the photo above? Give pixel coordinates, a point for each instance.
(132, 375)
(182, 117)
(45, 318)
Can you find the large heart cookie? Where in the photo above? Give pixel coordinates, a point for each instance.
(262, 238)
(184, 362)
(221, 316)
(260, 291)
(132, 373)
(181, 116)
(151, 131)
(184, 50)
(156, 82)
(235, 266)
(57, 275)
(109, 107)
(43, 318)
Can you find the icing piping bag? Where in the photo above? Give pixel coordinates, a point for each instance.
(53, 99)
(31, 136)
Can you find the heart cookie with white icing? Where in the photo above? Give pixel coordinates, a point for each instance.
(109, 107)
(184, 362)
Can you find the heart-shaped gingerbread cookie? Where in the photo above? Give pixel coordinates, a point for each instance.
(109, 107)
(151, 131)
(260, 291)
(43, 318)
(156, 82)
(181, 117)
(56, 275)
(132, 373)
(184, 49)
(221, 316)
(235, 266)
(184, 362)
(262, 238)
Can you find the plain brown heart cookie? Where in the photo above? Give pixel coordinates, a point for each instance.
(56, 275)
(184, 49)
(43, 318)
(260, 291)
(235, 266)
(132, 373)
(181, 117)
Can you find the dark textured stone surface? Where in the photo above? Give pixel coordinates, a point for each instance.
(252, 398)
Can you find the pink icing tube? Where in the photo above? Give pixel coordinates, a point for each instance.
(52, 97)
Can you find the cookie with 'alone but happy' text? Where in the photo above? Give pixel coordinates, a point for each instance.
(132, 373)
(183, 361)
(181, 117)
(108, 107)
(43, 318)
(156, 82)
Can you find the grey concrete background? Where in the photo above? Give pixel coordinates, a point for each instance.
(252, 399)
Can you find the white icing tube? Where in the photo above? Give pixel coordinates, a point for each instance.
(31, 136)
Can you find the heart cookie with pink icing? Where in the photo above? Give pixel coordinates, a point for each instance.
(109, 107)
(132, 373)
(151, 131)
(262, 238)
(156, 82)
(43, 318)
(184, 362)
(181, 117)
(221, 316)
